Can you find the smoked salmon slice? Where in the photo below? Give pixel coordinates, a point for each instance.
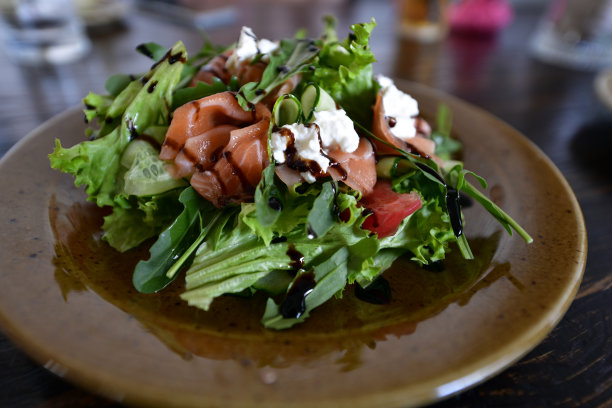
(215, 68)
(235, 175)
(421, 144)
(196, 117)
(220, 145)
(201, 152)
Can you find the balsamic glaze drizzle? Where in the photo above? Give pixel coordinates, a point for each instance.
(378, 292)
(454, 210)
(142, 48)
(452, 200)
(132, 128)
(275, 204)
(297, 258)
(294, 304)
(296, 162)
(151, 87)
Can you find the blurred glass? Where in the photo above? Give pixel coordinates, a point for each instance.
(422, 20)
(38, 32)
(576, 33)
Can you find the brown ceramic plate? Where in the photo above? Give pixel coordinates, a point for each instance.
(66, 298)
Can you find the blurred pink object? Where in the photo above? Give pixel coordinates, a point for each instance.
(480, 16)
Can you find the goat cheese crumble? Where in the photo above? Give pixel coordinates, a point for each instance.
(248, 47)
(400, 106)
(334, 129)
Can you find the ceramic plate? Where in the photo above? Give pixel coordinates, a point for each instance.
(66, 297)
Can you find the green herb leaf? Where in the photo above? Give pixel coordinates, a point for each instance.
(117, 83)
(269, 200)
(152, 50)
(151, 275)
(321, 217)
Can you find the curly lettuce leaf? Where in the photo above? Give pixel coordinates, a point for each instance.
(96, 163)
(344, 70)
(146, 217)
(173, 244)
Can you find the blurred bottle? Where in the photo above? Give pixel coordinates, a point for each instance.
(576, 33)
(422, 20)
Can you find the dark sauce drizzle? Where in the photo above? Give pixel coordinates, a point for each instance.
(293, 159)
(152, 87)
(132, 129)
(378, 292)
(283, 69)
(275, 204)
(454, 210)
(437, 266)
(297, 258)
(452, 200)
(142, 48)
(236, 170)
(294, 304)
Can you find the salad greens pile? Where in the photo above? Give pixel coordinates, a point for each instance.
(300, 244)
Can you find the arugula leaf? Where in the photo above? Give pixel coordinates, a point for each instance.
(152, 50)
(151, 275)
(456, 175)
(269, 200)
(321, 217)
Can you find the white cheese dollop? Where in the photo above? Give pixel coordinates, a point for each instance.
(248, 47)
(400, 106)
(336, 131)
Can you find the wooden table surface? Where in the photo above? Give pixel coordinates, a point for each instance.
(554, 107)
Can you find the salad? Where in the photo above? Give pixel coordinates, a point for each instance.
(284, 167)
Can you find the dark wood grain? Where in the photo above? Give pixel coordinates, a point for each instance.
(554, 107)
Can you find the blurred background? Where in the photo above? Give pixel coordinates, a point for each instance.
(482, 51)
(540, 65)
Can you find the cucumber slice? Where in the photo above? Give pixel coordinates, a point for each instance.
(287, 110)
(147, 174)
(132, 150)
(315, 99)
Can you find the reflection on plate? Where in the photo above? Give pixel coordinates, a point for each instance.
(67, 299)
